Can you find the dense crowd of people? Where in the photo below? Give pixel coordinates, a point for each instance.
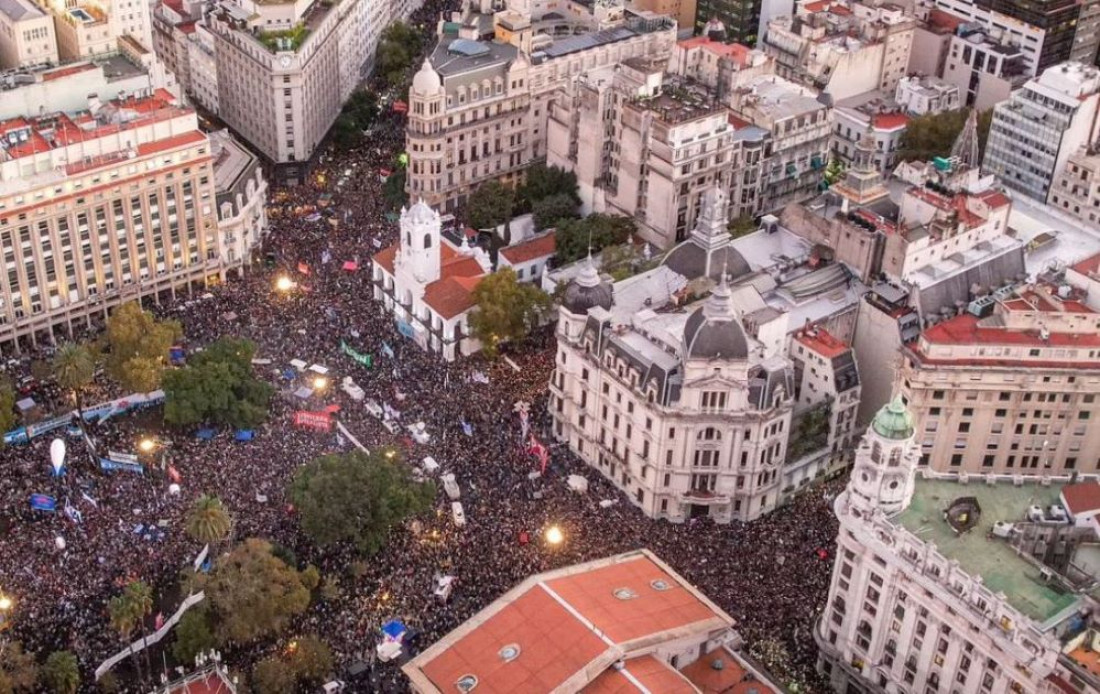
(767, 574)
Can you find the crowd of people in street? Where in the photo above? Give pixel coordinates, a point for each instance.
(768, 574)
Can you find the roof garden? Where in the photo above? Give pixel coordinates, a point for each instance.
(996, 561)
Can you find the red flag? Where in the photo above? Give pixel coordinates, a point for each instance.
(303, 268)
(159, 622)
(174, 474)
(537, 449)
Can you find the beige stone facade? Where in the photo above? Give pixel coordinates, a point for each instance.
(106, 206)
(1012, 390)
(479, 109)
(1076, 190)
(27, 35)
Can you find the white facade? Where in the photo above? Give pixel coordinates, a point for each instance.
(1035, 132)
(27, 35)
(909, 606)
(919, 96)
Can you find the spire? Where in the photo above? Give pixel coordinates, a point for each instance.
(719, 306)
(710, 230)
(965, 149)
(588, 276)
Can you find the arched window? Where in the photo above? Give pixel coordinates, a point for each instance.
(895, 456)
(427, 240)
(709, 434)
(876, 452)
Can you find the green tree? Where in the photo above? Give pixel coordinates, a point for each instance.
(7, 405)
(74, 369)
(356, 498)
(193, 635)
(253, 593)
(542, 181)
(208, 522)
(490, 205)
(217, 385)
(393, 190)
(550, 210)
(137, 345)
(61, 673)
(574, 236)
(932, 135)
(273, 676)
(398, 47)
(742, 226)
(311, 659)
(506, 309)
(18, 671)
(834, 171)
(128, 611)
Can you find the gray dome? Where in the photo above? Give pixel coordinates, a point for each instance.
(690, 260)
(586, 291)
(714, 331)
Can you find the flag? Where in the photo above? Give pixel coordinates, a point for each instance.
(479, 377)
(73, 513)
(326, 257)
(537, 449)
(523, 426)
(174, 474)
(467, 428)
(90, 500)
(303, 268)
(387, 350)
(158, 622)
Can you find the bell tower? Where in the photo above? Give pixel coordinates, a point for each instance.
(886, 462)
(420, 242)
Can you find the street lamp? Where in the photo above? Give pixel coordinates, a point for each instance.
(554, 536)
(320, 383)
(284, 284)
(147, 445)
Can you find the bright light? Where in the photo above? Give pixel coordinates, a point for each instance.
(5, 603)
(147, 445)
(320, 383)
(554, 535)
(389, 454)
(284, 284)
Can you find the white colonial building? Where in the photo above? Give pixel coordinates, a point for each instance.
(964, 584)
(428, 284)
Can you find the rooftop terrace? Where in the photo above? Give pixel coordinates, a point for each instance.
(1001, 568)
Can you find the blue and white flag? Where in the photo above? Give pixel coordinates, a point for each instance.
(73, 513)
(467, 428)
(387, 350)
(479, 377)
(90, 500)
(326, 257)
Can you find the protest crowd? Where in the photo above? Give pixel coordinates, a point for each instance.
(770, 575)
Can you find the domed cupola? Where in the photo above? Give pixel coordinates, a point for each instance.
(426, 81)
(587, 291)
(884, 472)
(894, 421)
(714, 330)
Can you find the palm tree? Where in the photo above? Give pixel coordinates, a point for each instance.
(129, 610)
(208, 522)
(73, 369)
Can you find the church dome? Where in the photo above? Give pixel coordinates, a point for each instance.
(587, 291)
(893, 421)
(426, 80)
(714, 331)
(420, 214)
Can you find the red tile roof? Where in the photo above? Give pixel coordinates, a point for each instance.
(653, 674)
(66, 71)
(385, 257)
(1082, 498)
(822, 342)
(186, 27)
(533, 249)
(965, 330)
(738, 53)
(572, 622)
(995, 199)
(1088, 266)
(733, 678)
(451, 296)
(939, 19)
(890, 121)
(454, 264)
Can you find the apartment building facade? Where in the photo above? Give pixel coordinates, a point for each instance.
(479, 109)
(643, 144)
(1076, 189)
(27, 36)
(985, 71)
(1009, 387)
(109, 205)
(1034, 133)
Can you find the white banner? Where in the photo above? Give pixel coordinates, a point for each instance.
(189, 602)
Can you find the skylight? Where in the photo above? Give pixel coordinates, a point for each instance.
(466, 683)
(510, 652)
(624, 593)
(659, 584)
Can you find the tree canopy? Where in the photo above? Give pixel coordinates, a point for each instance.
(310, 659)
(932, 135)
(217, 386)
(552, 209)
(358, 114)
(73, 368)
(137, 347)
(253, 593)
(542, 181)
(61, 673)
(490, 205)
(7, 404)
(208, 522)
(193, 635)
(273, 676)
(507, 309)
(393, 190)
(601, 230)
(741, 226)
(18, 670)
(356, 498)
(398, 47)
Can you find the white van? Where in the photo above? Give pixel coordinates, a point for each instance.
(458, 514)
(430, 465)
(450, 486)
